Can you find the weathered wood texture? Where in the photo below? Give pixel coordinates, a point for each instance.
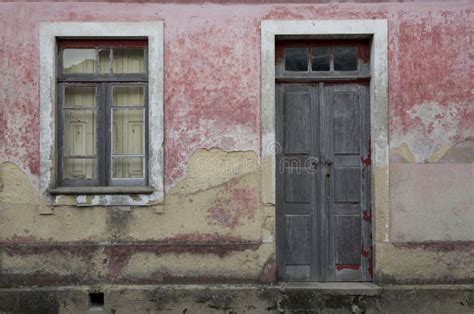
(323, 182)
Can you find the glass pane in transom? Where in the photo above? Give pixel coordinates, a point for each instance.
(345, 59)
(79, 60)
(104, 60)
(320, 59)
(128, 60)
(296, 59)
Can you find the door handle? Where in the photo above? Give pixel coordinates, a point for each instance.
(328, 166)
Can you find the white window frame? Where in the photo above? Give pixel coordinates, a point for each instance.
(49, 34)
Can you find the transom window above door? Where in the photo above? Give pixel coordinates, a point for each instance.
(322, 58)
(102, 113)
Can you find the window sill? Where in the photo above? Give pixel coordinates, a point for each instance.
(87, 190)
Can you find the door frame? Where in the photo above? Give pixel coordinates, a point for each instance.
(376, 30)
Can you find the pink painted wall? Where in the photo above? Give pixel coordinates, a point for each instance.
(212, 99)
(212, 70)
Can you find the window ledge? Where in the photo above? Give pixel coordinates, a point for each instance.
(102, 190)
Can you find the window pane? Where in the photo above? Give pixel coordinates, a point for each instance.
(128, 96)
(296, 59)
(104, 60)
(79, 60)
(129, 61)
(79, 169)
(127, 167)
(345, 59)
(320, 59)
(79, 132)
(128, 131)
(75, 96)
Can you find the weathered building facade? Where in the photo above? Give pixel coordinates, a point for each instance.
(227, 91)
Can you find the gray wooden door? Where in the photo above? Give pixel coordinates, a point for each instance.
(323, 182)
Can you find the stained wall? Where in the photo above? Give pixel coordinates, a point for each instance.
(213, 226)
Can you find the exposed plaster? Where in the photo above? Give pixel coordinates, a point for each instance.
(462, 152)
(432, 202)
(435, 129)
(47, 38)
(223, 199)
(191, 30)
(119, 242)
(247, 264)
(439, 153)
(402, 154)
(234, 138)
(207, 168)
(16, 188)
(426, 265)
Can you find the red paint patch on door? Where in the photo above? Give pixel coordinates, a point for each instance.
(367, 161)
(367, 215)
(367, 253)
(347, 266)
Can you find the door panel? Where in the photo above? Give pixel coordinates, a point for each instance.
(297, 185)
(298, 228)
(346, 120)
(297, 112)
(347, 240)
(297, 116)
(323, 182)
(346, 184)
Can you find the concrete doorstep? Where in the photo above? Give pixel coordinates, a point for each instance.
(281, 298)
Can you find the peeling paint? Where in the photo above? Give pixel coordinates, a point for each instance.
(462, 152)
(435, 127)
(402, 154)
(367, 161)
(439, 153)
(214, 226)
(368, 253)
(367, 215)
(430, 266)
(239, 203)
(340, 267)
(431, 202)
(208, 168)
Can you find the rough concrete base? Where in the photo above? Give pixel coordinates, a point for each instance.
(335, 298)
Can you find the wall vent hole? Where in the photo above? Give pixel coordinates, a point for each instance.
(96, 298)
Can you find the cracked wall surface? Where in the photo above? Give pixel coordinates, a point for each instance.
(212, 213)
(213, 229)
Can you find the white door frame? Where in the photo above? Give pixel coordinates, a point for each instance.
(376, 29)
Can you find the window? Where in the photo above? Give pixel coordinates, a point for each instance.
(325, 57)
(108, 42)
(102, 113)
